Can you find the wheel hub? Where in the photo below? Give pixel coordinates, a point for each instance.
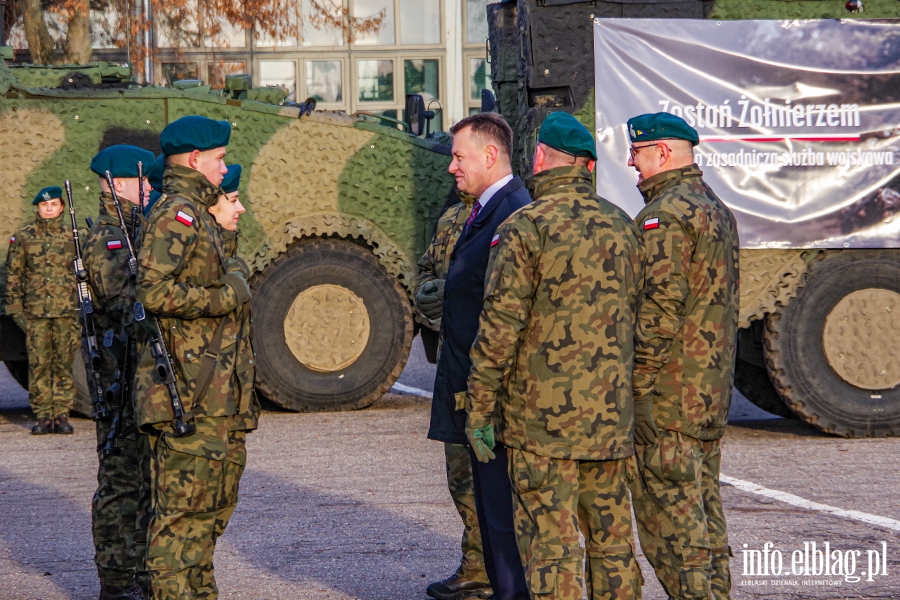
(858, 338)
(327, 327)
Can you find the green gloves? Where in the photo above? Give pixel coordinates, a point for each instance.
(430, 299)
(238, 284)
(645, 430)
(237, 264)
(482, 442)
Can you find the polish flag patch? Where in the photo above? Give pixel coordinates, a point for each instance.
(12, 240)
(651, 223)
(495, 240)
(113, 245)
(184, 218)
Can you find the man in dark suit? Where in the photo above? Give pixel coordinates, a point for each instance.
(482, 146)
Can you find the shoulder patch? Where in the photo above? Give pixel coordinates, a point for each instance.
(113, 244)
(12, 240)
(495, 240)
(651, 223)
(184, 218)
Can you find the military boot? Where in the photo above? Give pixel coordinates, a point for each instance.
(42, 427)
(114, 592)
(458, 587)
(61, 425)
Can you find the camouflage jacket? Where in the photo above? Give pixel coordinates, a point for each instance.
(436, 260)
(113, 293)
(40, 279)
(180, 266)
(687, 324)
(555, 342)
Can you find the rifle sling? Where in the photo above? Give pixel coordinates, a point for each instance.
(208, 366)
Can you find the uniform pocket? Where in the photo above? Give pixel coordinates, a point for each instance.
(191, 473)
(671, 458)
(528, 472)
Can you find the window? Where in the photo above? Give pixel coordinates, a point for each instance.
(375, 79)
(421, 77)
(269, 41)
(364, 9)
(317, 32)
(218, 70)
(476, 21)
(420, 21)
(177, 71)
(279, 72)
(323, 80)
(479, 77)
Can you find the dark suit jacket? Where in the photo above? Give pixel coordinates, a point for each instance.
(463, 300)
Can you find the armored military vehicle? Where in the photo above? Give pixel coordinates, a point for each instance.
(818, 337)
(339, 208)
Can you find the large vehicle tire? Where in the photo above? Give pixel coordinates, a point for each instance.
(19, 370)
(831, 352)
(331, 329)
(750, 375)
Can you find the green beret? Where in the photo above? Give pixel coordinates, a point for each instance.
(121, 161)
(155, 172)
(565, 133)
(194, 133)
(48, 193)
(661, 126)
(232, 180)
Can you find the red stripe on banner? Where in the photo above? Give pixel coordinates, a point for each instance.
(847, 138)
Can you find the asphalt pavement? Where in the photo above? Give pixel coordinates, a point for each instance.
(354, 505)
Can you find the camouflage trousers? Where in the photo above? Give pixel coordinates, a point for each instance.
(51, 345)
(195, 491)
(120, 510)
(681, 524)
(556, 500)
(459, 482)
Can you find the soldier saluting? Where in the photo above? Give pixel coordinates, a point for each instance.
(40, 296)
(201, 298)
(120, 510)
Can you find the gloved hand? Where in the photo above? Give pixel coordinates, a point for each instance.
(239, 285)
(645, 430)
(237, 265)
(430, 299)
(482, 442)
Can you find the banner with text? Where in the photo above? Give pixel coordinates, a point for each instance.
(799, 121)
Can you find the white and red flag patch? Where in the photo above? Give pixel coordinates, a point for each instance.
(12, 240)
(495, 240)
(184, 218)
(651, 223)
(113, 244)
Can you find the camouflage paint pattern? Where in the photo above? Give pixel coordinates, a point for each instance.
(433, 265)
(554, 346)
(687, 325)
(51, 344)
(556, 501)
(120, 510)
(681, 523)
(195, 491)
(41, 297)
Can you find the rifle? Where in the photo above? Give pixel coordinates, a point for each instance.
(140, 206)
(132, 257)
(120, 347)
(91, 352)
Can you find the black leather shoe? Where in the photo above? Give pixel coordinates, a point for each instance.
(61, 425)
(457, 587)
(42, 427)
(130, 592)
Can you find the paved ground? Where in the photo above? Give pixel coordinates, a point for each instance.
(354, 505)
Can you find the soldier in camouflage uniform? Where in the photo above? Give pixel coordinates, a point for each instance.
(552, 362)
(41, 297)
(192, 280)
(684, 360)
(120, 511)
(429, 301)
